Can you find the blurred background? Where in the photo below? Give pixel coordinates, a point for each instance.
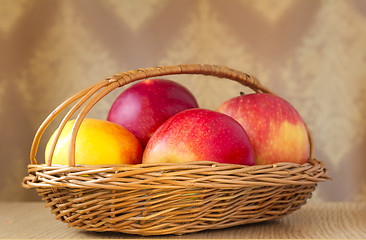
(312, 53)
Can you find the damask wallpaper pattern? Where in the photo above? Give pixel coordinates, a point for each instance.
(312, 53)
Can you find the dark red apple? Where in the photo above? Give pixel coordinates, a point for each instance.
(276, 129)
(144, 106)
(199, 135)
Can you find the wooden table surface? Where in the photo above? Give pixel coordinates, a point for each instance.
(314, 220)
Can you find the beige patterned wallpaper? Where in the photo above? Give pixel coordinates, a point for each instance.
(312, 53)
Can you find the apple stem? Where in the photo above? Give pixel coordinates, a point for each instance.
(242, 93)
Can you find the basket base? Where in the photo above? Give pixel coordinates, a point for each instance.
(160, 212)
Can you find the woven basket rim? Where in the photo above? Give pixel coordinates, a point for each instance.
(202, 174)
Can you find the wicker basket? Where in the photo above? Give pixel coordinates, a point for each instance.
(157, 199)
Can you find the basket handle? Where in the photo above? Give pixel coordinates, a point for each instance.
(99, 90)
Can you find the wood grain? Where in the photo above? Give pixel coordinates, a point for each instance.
(314, 220)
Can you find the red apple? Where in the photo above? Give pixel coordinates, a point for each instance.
(144, 106)
(199, 135)
(275, 128)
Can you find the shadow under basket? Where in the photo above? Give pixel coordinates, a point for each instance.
(166, 198)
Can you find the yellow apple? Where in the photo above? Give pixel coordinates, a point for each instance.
(98, 142)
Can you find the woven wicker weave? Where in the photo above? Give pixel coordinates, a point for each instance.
(157, 199)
